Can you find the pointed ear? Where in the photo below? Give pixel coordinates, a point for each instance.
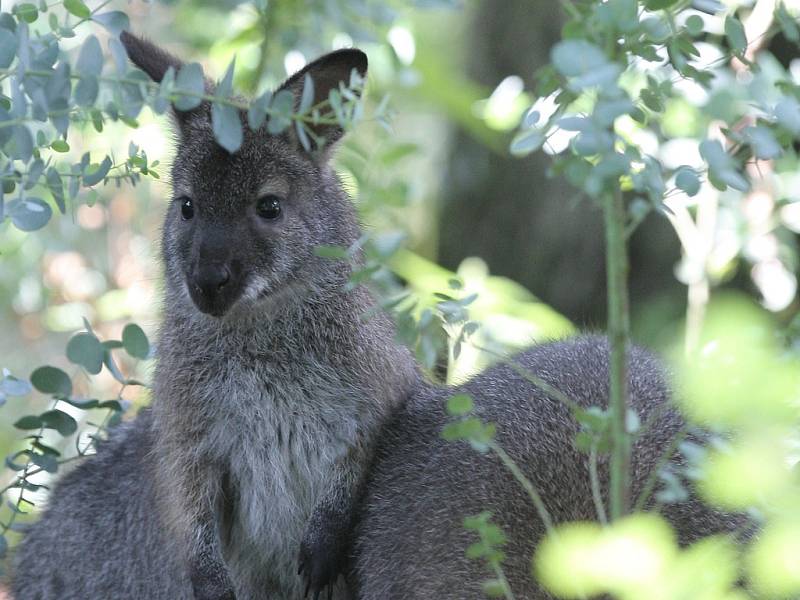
(155, 61)
(148, 57)
(326, 73)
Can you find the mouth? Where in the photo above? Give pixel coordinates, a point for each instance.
(215, 305)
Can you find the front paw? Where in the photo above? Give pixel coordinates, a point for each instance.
(321, 561)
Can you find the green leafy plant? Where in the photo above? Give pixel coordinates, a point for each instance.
(46, 431)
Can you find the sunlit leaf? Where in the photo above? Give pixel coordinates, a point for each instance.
(734, 32)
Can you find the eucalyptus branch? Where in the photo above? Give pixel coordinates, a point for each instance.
(176, 93)
(652, 478)
(597, 495)
(526, 484)
(501, 577)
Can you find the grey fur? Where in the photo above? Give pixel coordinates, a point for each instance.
(262, 411)
(100, 536)
(410, 534)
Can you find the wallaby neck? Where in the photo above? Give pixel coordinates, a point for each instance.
(304, 326)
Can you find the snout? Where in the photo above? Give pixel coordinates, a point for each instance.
(214, 287)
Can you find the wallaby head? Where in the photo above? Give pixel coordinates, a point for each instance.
(242, 227)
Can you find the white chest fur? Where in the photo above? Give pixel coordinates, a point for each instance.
(279, 446)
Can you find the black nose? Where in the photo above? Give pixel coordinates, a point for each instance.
(212, 278)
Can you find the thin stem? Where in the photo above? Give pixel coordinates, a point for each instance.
(619, 332)
(597, 496)
(501, 577)
(24, 174)
(526, 484)
(94, 11)
(652, 478)
(35, 471)
(548, 389)
(22, 479)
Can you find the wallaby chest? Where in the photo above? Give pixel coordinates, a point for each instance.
(274, 421)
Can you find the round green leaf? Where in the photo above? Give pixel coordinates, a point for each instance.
(23, 142)
(60, 421)
(460, 404)
(189, 79)
(526, 142)
(26, 12)
(734, 32)
(577, 57)
(29, 422)
(95, 173)
(29, 214)
(787, 111)
(8, 48)
(257, 112)
(51, 380)
(687, 180)
(280, 116)
(135, 341)
(87, 90)
(227, 126)
(694, 24)
(11, 386)
(90, 59)
(85, 349)
(60, 145)
(47, 462)
(77, 8)
(763, 142)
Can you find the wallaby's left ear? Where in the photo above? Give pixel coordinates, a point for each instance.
(326, 73)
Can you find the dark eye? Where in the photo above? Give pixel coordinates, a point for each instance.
(268, 207)
(187, 208)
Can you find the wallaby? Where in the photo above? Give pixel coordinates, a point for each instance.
(410, 540)
(269, 388)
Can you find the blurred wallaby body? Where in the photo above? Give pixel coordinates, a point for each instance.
(269, 385)
(410, 538)
(101, 536)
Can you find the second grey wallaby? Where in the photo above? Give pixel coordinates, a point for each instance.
(410, 538)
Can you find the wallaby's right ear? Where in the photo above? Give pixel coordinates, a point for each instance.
(155, 62)
(148, 57)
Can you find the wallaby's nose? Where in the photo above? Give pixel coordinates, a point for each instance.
(212, 278)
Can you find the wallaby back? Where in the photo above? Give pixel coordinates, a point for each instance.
(411, 537)
(101, 536)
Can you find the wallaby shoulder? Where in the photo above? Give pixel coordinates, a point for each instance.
(103, 508)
